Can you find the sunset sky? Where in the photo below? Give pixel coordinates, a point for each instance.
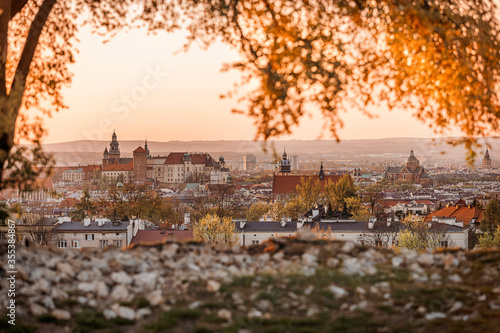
(184, 104)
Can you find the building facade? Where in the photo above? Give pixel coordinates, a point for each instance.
(411, 171)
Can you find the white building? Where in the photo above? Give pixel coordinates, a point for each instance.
(101, 233)
(74, 175)
(252, 233)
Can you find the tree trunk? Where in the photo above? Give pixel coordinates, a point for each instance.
(11, 101)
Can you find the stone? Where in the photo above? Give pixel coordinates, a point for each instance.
(61, 314)
(146, 280)
(66, 269)
(102, 289)
(155, 298)
(86, 287)
(121, 278)
(213, 286)
(255, 314)
(224, 314)
(44, 286)
(109, 314)
(48, 302)
(264, 305)
(126, 313)
(38, 310)
(337, 291)
(435, 315)
(305, 234)
(309, 260)
(425, 259)
(143, 313)
(456, 306)
(455, 278)
(332, 262)
(59, 294)
(348, 247)
(396, 261)
(195, 305)
(120, 293)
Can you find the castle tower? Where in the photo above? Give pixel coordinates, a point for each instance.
(114, 150)
(140, 165)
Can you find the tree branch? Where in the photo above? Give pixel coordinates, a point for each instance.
(17, 5)
(5, 9)
(29, 49)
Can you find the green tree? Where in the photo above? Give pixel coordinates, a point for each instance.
(338, 193)
(84, 207)
(415, 234)
(491, 217)
(309, 191)
(213, 229)
(490, 239)
(257, 210)
(408, 54)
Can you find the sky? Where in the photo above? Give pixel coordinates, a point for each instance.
(142, 86)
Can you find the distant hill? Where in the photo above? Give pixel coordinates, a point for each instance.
(376, 149)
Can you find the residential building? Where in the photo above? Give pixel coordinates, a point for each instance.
(379, 232)
(101, 233)
(74, 175)
(249, 162)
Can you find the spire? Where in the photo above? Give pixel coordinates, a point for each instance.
(321, 172)
(146, 147)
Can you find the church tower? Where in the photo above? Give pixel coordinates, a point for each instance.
(285, 166)
(487, 160)
(113, 155)
(321, 172)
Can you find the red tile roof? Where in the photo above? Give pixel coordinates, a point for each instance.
(140, 150)
(178, 158)
(119, 167)
(288, 184)
(159, 236)
(464, 214)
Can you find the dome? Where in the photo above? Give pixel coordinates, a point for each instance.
(119, 184)
(412, 158)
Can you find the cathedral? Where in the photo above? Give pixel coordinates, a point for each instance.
(487, 160)
(412, 171)
(113, 155)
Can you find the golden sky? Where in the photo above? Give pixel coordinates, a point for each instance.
(139, 85)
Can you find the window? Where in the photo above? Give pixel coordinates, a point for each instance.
(117, 243)
(103, 243)
(89, 236)
(62, 244)
(378, 243)
(75, 244)
(443, 243)
(255, 242)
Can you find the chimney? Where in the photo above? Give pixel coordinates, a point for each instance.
(242, 224)
(315, 212)
(300, 223)
(389, 220)
(283, 223)
(100, 222)
(86, 222)
(429, 224)
(370, 224)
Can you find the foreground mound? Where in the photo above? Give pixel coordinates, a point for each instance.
(284, 285)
